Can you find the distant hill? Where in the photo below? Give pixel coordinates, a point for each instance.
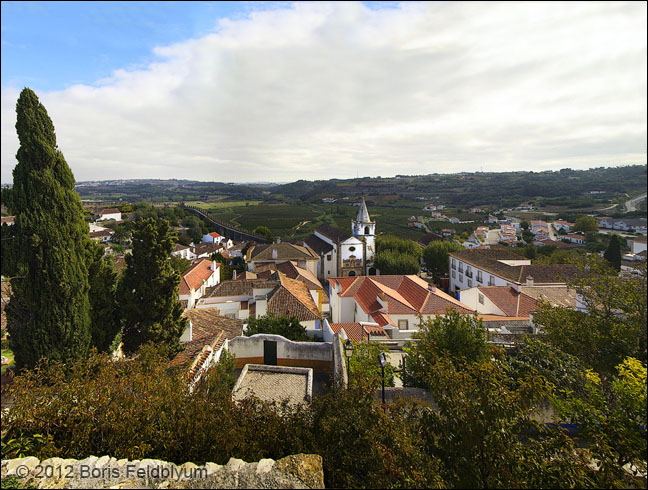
(577, 188)
(467, 189)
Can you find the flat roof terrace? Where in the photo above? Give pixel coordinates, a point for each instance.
(275, 384)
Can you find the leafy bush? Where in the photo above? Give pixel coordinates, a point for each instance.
(288, 327)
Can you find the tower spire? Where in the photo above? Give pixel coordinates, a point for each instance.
(363, 214)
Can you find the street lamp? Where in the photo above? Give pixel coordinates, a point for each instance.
(348, 352)
(382, 359)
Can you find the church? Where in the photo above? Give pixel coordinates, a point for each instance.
(344, 254)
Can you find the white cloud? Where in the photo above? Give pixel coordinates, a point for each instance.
(321, 90)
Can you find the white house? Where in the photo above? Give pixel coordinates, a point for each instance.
(183, 251)
(563, 225)
(574, 238)
(195, 280)
(276, 253)
(500, 267)
(396, 303)
(215, 237)
(112, 213)
(279, 294)
(637, 245)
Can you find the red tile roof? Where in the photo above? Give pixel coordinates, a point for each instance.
(507, 299)
(293, 299)
(214, 234)
(356, 332)
(193, 277)
(110, 211)
(404, 295)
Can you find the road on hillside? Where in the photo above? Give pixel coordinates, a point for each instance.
(631, 205)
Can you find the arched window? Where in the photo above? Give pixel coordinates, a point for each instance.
(352, 273)
(372, 271)
(366, 230)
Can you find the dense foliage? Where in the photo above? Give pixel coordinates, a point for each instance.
(49, 312)
(288, 327)
(613, 326)
(148, 290)
(397, 256)
(613, 253)
(435, 256)
(104, 311)
(459, 338)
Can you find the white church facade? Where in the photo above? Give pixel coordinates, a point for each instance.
(344, 254)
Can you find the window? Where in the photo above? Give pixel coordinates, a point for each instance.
(461, 267)
(491, 281)
(403, 325)
(469, 271)
(328, 257)
(469, 283)
(454, 274)
(366, 230)
(481, 298)
(479, 276)
(460, 277)
(351, 249)
(454, 264)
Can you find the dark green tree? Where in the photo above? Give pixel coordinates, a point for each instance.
(613, 253)
(610, 326)
(179, 264)
(49, 313)
(8, 251)
(264, 231)
(435, 256)
(148, 291)
(460, 338)
(285, 326)
(397, 256)
(586, 223)
(104, 314)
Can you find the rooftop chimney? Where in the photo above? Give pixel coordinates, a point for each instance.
(529, 281)
(274, 253)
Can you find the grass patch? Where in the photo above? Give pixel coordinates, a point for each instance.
(9, 355)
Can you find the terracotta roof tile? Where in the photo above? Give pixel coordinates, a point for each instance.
(355, 331)
(511, 302)
(243, 287)
(293, 298)
(284, 251)
(193, 277)
(407, 295)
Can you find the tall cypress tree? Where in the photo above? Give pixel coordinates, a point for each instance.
(148, 290)
(104, 313)
(613, 253)
(48, 315)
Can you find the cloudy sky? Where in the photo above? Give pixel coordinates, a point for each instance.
(264, 91)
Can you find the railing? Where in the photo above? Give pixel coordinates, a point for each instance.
(231, 227)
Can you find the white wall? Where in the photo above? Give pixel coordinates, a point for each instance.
(636, 247)
(115, 216)
(352, 242)
(470, 297)
(244, 347)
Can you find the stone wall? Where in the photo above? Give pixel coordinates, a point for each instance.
(296, 471)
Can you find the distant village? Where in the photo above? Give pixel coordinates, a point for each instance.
(329, 282)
